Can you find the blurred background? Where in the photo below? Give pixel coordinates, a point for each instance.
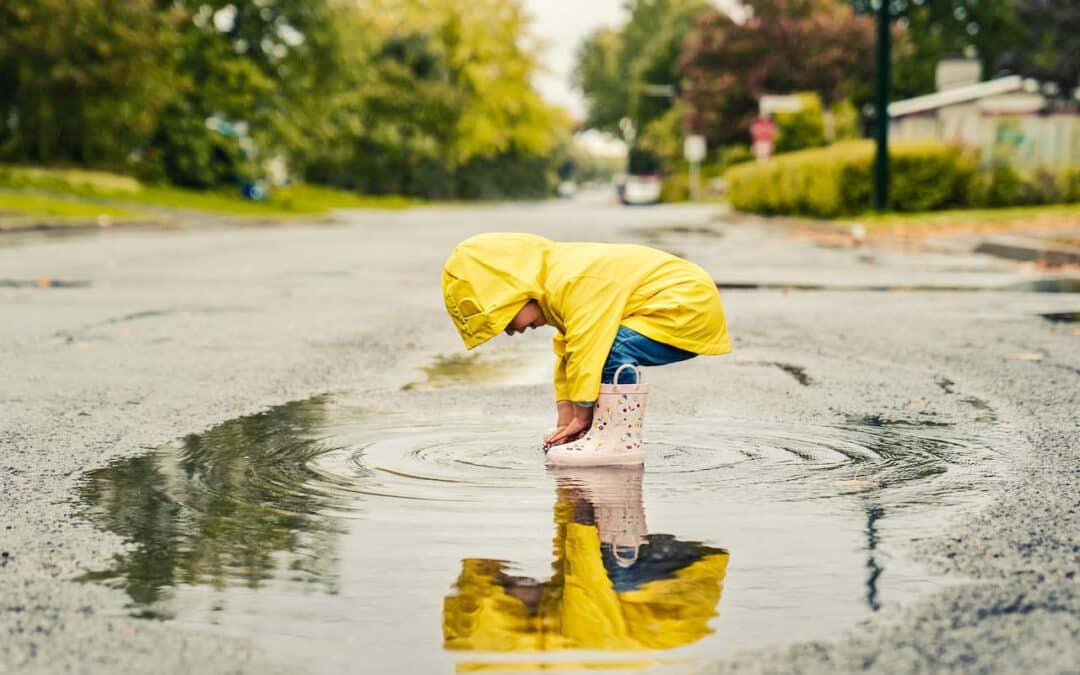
(302, 105)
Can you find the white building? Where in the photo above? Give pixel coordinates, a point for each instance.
(1008, 118)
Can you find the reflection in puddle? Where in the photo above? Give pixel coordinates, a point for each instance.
(230, 506)
(333, 534)
(614, 586)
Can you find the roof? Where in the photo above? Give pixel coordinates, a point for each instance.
(971, 92)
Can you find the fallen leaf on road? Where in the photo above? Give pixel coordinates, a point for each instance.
(857, 484)
(1027, 356)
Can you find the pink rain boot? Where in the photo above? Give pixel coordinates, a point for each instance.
(618, 509)
(615, 435)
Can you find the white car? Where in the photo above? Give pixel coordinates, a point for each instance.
(640, 189)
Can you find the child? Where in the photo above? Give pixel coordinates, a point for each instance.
(612, 305)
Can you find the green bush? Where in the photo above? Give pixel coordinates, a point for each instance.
(845, 124)
(802, 129)
(676, 185)
(1070, 184)
(1005, 186)
(838, 180)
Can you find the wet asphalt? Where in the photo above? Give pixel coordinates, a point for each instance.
(115, 343)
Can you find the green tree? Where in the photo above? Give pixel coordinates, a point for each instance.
(448, 108)
(931, 30)
(252, 79)
(1048, 44)
(728, 66)
(622, 71)
(83, 80)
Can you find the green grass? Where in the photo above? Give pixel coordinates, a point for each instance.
(48, 206)
(966, 216)
(48, 185)
(293, 200)
(67, 181)
(1045, 217)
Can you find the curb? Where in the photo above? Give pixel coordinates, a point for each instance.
(1029, 250)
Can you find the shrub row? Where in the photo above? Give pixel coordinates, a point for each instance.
(924, 176)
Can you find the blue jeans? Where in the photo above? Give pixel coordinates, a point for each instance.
(634, 348)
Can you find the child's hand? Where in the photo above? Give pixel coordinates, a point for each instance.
(564, 411)
(578, 425)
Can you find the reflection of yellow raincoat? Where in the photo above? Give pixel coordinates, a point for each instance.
(586, 291)
(579, 607)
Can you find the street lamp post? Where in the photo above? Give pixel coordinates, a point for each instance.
(881, 109)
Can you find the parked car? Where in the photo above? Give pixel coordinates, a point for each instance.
(640, 189)
(567, 189)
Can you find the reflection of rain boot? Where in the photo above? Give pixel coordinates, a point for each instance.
(615, 495)
(615, 435)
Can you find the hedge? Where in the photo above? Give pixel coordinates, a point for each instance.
(838, 180)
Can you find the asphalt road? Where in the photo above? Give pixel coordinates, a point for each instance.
(114, 343)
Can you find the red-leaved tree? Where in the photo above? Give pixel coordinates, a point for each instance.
(784, 46)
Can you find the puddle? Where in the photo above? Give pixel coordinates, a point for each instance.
(472, 370)
(1062, 317)
(333, 534)
(798, 372)
(1050, 285)
(986, 412)
(945, 384)
(43, 282)
(1045, 285)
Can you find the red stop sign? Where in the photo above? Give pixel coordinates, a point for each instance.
(763, 129)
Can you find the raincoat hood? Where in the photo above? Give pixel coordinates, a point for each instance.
(488, 278)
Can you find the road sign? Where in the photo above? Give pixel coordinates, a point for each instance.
(763, 131)
(694, 148)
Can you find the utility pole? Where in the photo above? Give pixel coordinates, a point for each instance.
(881, 109)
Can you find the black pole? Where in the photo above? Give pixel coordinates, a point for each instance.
(881, 110)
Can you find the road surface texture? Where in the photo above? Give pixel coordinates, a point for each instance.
(113, 344)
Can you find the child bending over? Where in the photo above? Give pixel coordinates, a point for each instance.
(614, 307)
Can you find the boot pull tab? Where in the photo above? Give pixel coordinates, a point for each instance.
(637, 378)
(625, 555)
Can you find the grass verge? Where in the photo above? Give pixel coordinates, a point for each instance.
(37, 205)
(976, 220)
(76, 193)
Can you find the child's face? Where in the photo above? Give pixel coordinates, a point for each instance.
(528, 316)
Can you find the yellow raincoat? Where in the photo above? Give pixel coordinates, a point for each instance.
(586, 291)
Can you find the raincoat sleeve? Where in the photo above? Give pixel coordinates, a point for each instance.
(562, 392)
(593, 309)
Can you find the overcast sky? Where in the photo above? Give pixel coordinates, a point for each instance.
(562, 25)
